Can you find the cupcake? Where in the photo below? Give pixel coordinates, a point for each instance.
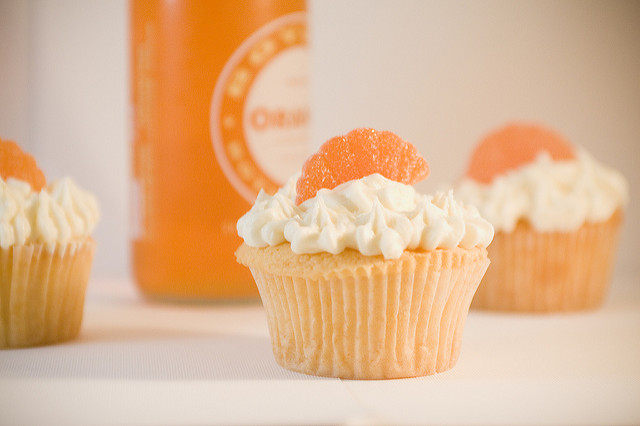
(556, 212)
(45, 252)
(361, 277)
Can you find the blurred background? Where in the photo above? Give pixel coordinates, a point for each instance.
(441, 74)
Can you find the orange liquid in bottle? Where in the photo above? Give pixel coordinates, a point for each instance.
(220, 110)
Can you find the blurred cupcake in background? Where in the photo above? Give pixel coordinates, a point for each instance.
(46, 252)
(556, 212)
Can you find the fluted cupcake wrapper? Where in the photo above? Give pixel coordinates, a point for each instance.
(534, 271)
(42, 290)
(400, 318)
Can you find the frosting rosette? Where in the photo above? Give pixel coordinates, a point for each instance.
(372, 215)
(60, 213)
(549, 195)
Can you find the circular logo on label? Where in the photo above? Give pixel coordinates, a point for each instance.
(260, 108)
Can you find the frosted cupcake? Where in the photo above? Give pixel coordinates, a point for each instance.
(360, 276)
(46, 252)
(556, 212)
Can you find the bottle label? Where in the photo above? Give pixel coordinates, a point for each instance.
(260, 107)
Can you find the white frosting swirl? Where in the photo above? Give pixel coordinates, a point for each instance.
(373, 215)
(550, 195)
(60, 213)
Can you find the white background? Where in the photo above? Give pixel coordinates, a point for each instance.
(440, 74)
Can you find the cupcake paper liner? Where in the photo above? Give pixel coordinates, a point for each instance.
(535, 271)
(368, 319)
(42, 290)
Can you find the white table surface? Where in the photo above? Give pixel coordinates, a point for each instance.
(143, 363)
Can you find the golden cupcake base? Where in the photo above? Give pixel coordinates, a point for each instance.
(364, 317)
(534, 271)
(42, 290)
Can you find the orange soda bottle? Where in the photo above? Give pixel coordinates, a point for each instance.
(220, 98)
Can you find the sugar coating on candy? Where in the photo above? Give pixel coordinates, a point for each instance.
(513, 146)
(360, 153)
(17, 164)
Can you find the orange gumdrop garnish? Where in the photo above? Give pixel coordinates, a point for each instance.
(360, 153)
(514, 146)
(17, 164)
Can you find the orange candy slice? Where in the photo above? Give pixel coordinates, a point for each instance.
(16, 163)
(360, 153)
(514, 146)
